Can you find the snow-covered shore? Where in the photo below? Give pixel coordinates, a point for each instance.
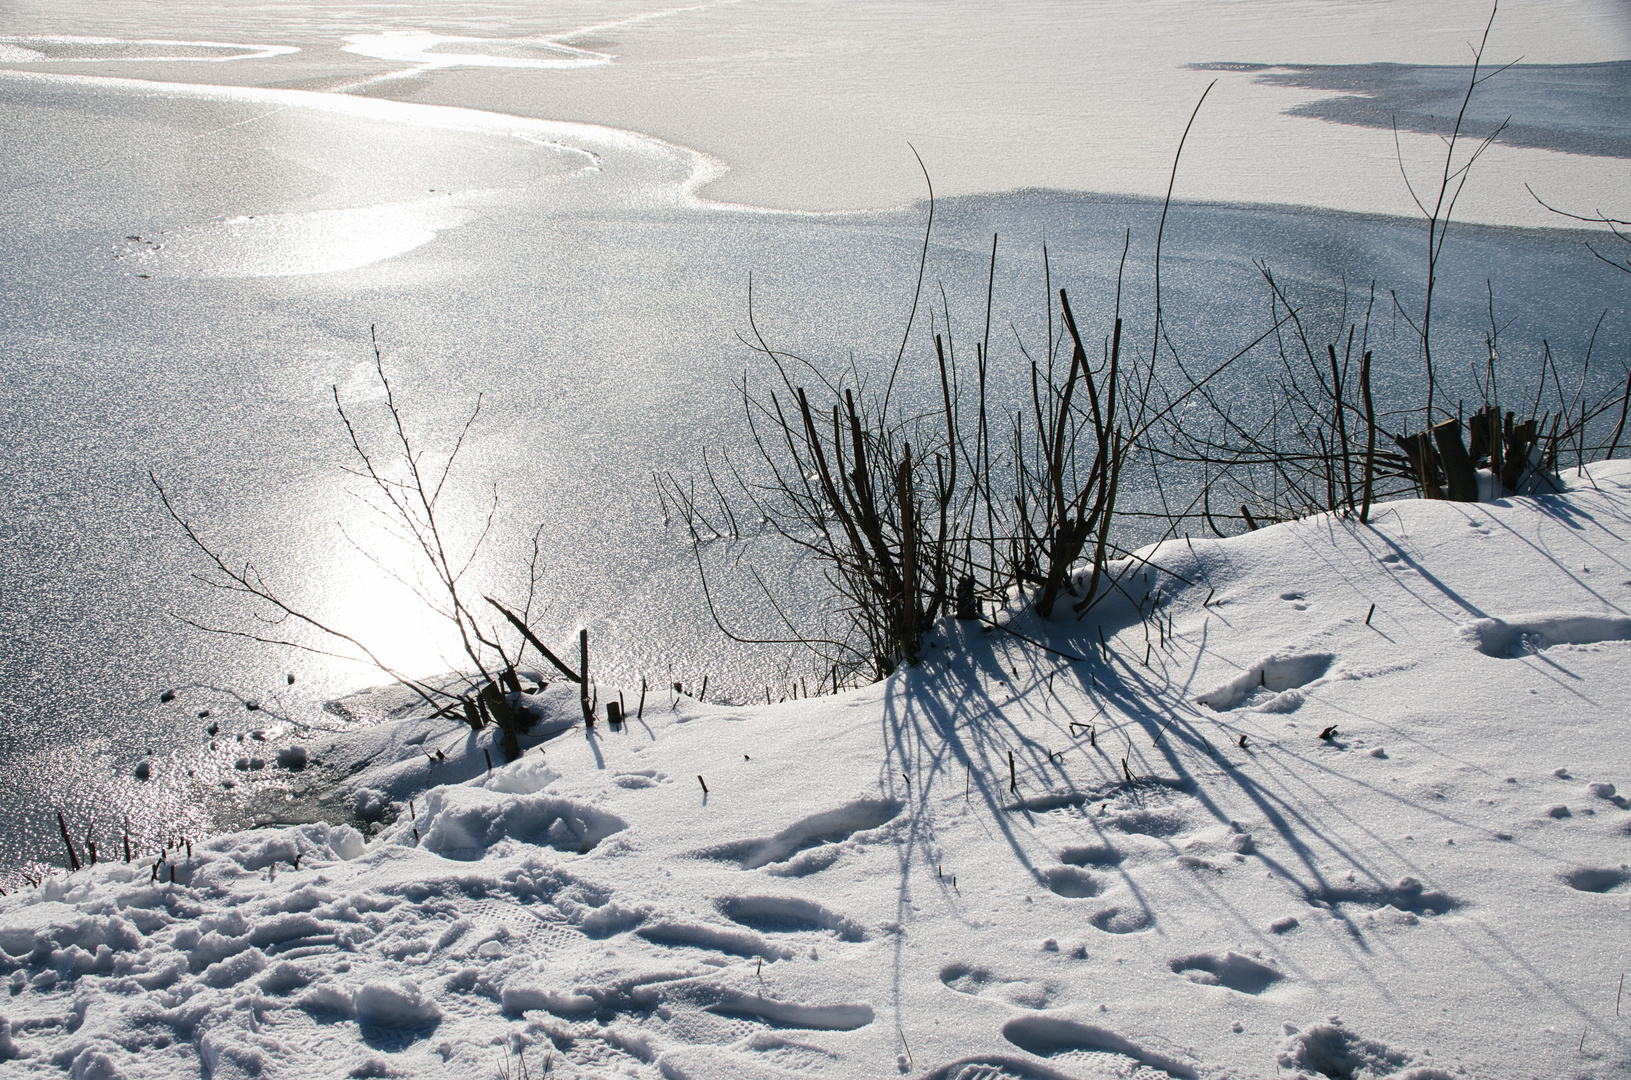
(1301, 838)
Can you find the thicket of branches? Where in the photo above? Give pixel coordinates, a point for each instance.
(912, 512)
(1312, 439)
(402, 486)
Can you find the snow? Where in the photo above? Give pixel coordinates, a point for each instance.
(1298, 841)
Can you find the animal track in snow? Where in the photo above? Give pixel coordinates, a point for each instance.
(787, 915)
(1071, 881)
(807, 845)
(1233, 970)
(1596, 879)
(1537, 633)
(982, 982)
(1052, 1037)
(1271, 682)
(1297, 600)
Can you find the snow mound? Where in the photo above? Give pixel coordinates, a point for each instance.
(8, 1049)
(525, 777)
(919, 878)
(395, 1003)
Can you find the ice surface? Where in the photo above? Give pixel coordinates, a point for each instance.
(56, 49)
(1574, 108)
(436, 51)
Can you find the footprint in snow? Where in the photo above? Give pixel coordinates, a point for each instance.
(1090, 855)
(1122, 920)
(1408, 896)
(637, 779)
(1297, 600)
(1145, 822)
(1536, 633)
(1332, 1050)
(1236, 971)
(808, 845)
(787, 915)
(1070, 881)
(674, 934)
(1596, 879)
(790, 1054)
(792, 1014)
(1047, 804)
(1273, 684)
(1057, 1038)
(977, 981)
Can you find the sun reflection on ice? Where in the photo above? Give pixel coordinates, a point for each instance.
(372, 593)
(306, 242)
(439, 51)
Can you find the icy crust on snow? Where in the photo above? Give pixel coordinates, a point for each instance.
(1138, 862)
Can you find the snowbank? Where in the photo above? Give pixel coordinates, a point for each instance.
(1303, 838)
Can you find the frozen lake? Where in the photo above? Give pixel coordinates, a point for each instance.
(209, 207)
